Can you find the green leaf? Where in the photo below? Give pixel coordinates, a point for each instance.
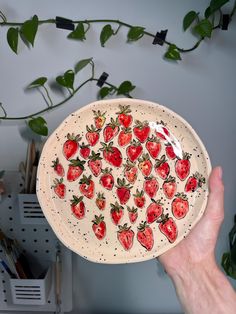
(106, 33)
(217, 4)
(12, 38)
(81, 64)
(66, 80)
(207, 12)
(188, 19)
(227, 265)
(39, 126)
(2, 173)
(135, 33)
(104, 91)
(38, 82)
(204, 28)
(172, 53)
(78, 33)
(125, 87)
(29, 29)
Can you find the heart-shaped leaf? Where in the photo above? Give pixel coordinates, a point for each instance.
(172, 53)
(12, 38)
(66, 80)
(104, 91)
(106, 33)
(207, 12)
(78, 33)
(29, 29)
(125, 87)
(217, 4)
(188, 19)
(81, 64)
(39, 126)
(135, 33)
(204, 28)
(38, 82)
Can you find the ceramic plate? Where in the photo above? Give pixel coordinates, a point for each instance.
(123, 180)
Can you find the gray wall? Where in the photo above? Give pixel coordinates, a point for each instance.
(201, 88)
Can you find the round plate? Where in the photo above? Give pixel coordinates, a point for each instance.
(123, 180)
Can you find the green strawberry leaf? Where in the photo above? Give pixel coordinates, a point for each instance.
(81, 64)
(204, 28)
(106, 33)
(125, 87)
(12, 38)
(29, 29)
(78, 33)
(188, 19)
(172, 53)
(38, 82)
(39, 126)
(217, 4)
(135, 33)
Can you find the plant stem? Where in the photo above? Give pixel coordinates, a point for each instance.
(50, 100)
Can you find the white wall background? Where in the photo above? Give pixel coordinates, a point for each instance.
(201, 88)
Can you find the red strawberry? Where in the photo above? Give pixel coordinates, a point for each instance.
(107, 179)
(134, 150)
(101, 201)
(99, 227)
(87, 186)
(145, 165)
(154, 211)
(139, 199)
(125, 236)
(153, 146)
(145, 236)
(117, 212)
(170, 151)
(163, 132)
(84, 151)
(125, 137)
(99, 119)
(193, 182)
(59, 188)
(111, 130)
(168, 227)
(95, 164)
(123, 191)
(169, 187)
(130, 172)
(70, 147)
(92, 135)
(124, 118)
(111, 154)
(76, 167)
(133, 214)
(78, 207)
(58, 168)
(141, 130)
(151, 186)
(162, 167)
(180, 206)
(182, 167)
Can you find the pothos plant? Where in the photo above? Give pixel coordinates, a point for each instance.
(201, 26)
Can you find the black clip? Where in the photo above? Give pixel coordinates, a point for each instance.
(63, 23)
(225, 22)
(102, 79)
(160, 37)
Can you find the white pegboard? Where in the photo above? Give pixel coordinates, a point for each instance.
(39, 244)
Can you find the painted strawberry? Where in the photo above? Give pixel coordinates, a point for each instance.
(182, 167)
(163, 130)
(70, 147)
(99, 227)
(95, 163)
(84, 151)
(124, 117)
(145, 236)
(154, 211)
(117, 212)
(87, 186)
(162, 167)
(59, 188)
(133, 214)
(58, 168)
(180, 206)
(130, 172)
(169, 187)
(125, 137)
(134, 150)
(111, 130)
(170, 151)
(141, 130)
(75, 169)
(101, 201)
(123, 191)
(92, 135)
(107, 179)
(78, 207)
(145, 165)
(99, 118)
(194, 181)
(139, 199)
(168, 227)
(151, 186)
(111, 154)
(153, 146)
(125, 236)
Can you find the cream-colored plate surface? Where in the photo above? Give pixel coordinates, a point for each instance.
(129, 246)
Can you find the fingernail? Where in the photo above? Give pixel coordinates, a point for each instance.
(220, 172)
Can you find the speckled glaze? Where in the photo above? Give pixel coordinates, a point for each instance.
(77, 234)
